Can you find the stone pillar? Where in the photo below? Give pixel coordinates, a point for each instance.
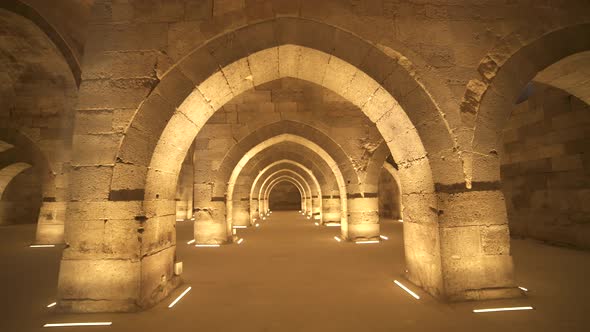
(50, 226)
(254, 211)
(475, 245)
(331, 209)
(241, 213)
(210, 217)
(317, 208)
(308, 207)
(363, 217)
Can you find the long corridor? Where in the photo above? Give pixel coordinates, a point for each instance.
(290, 275)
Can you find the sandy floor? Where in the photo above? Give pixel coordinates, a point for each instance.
(289, 275)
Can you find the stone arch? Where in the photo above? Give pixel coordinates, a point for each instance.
(269, 180)
(8, 173)
(318, 191)
(293, 184)
(284, 177)
(387, 93)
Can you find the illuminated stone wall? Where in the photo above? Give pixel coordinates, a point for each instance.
(546, 168)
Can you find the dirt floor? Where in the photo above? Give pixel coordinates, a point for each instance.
(290, 275)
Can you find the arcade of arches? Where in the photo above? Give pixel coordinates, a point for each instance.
(458, 132)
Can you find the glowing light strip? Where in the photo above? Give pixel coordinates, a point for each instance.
(317, 223)
(191, 241)
(240, 226)
(384, 237)
(400, 220)
(257, 225)
(42, 245)
(51, 304)
(366, 242)
(179, 297)
(407, 290)
(207, 245)
(79, 324)
(337, 238)
(502, 309)
(263, 218)
(240, 241)
(193, 219)
(524, 289)
(179, 219)
(331, 224)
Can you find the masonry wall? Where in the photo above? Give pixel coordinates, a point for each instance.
(546, 168)
(285, 196)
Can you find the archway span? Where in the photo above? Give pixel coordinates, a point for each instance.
(296, 164)
(8, 173)
(273, 188)
(296, 182)
(271, 179)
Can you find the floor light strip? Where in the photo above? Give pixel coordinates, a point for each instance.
(317, 223)
(240, 241)
(337, 238)
(502, 309)
(42, 245)
(180, 297)
(407, 290)
(366, 242)
(79, 324)
(207, 245)
(400, 220)
(331, 224)
(384, 237)
(236, 227)
(191, 241)
(524, 289)
(257, 225)
(51, 304)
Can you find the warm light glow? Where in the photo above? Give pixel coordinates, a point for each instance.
(240, 241)
(179, 297)
(337, 238)
(179, 219)
(237, 227)
(317, 223)
(257, 225)
(207, 245)
(191, 241)
(333, 224)
(524, 289)
(299, 211)
(51, 304)
(502, 309)
(42, 245)
(254, 219)
(193, 219)
(263, 218)
(79, 324)
(367, 242)
(400, 220)
(308, 217)
(407, 289)
(384, 237)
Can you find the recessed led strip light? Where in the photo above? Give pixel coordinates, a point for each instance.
(332, 224)
(400, 220)
(191, 241)
(79, 324)
(237, 226)
(240, 241)
(366, 242)
(522, 288)
(207, 245)
(51, 304)
(257, 225)
(407, 289)
(317, 223)
(502, 309)
(384, 237)
(337, 238)
(42, 245)
(179, 297)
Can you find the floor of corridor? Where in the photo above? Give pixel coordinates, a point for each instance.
(290, 275)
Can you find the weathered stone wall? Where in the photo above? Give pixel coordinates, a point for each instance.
(546, 168)
(285, 196)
